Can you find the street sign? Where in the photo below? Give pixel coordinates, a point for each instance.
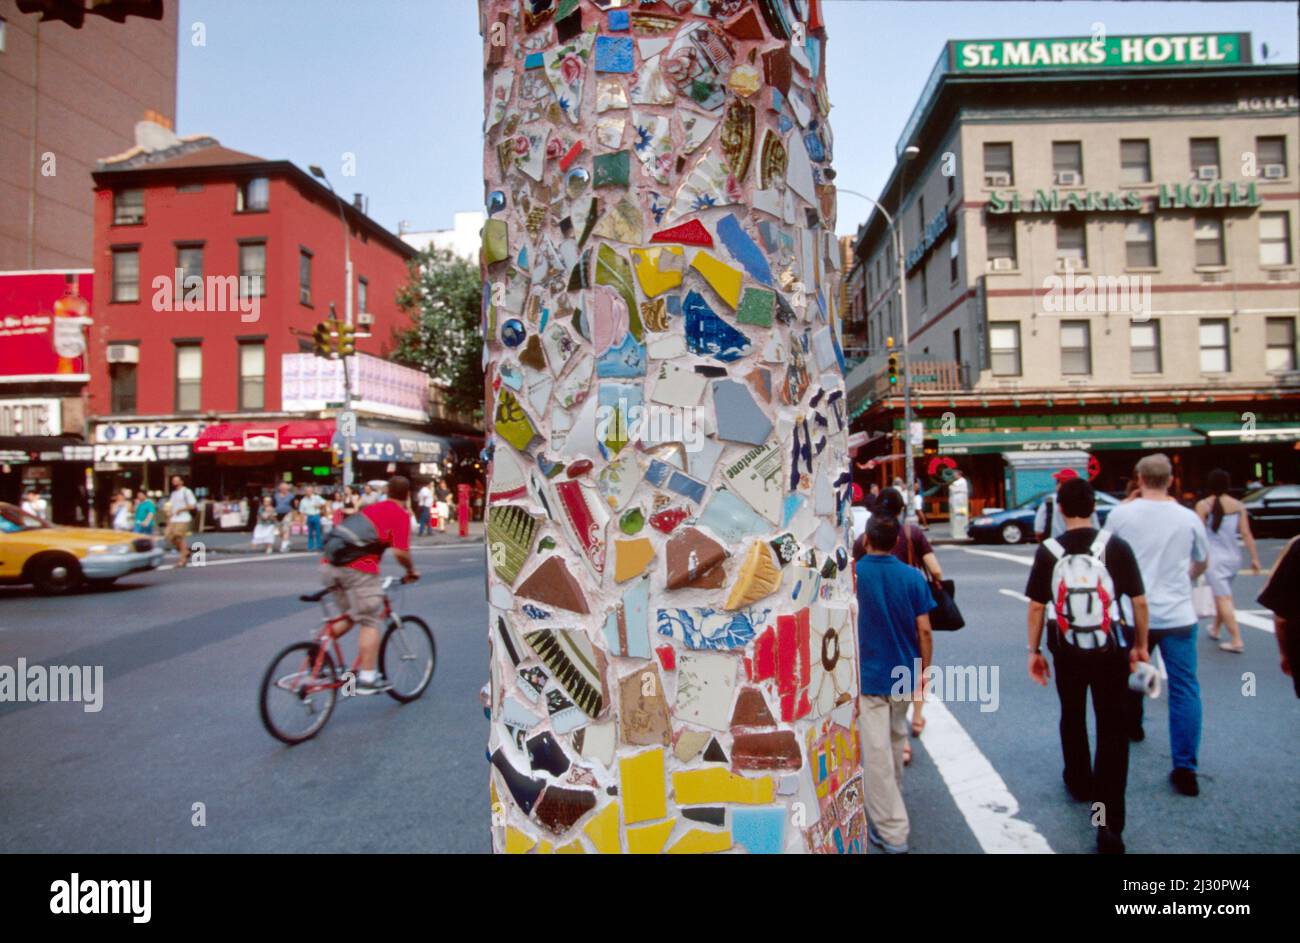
(347, 423)
(925, 378)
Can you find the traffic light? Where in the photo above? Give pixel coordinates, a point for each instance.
(893, 369)
(323, 340)
(347, 342)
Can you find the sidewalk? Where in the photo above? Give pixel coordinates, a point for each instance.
(240, 542)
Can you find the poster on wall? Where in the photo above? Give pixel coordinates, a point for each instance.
(43, 321)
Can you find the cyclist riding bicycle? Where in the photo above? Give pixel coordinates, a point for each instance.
(350, 568)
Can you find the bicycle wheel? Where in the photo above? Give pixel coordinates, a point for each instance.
(297, 700)
(407, 658)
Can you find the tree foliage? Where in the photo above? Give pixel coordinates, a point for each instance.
(442, 297)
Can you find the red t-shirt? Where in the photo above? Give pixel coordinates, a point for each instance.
(393, 524)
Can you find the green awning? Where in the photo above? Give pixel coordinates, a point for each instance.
(1087, 440)
(1236, 433)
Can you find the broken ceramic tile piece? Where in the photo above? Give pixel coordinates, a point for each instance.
(698, 62)
(620, 404)
(643, 717)
(743, 249)
(631, 557)
(609, 132)
(643, 787)
(617, 481)
(622, 223)
(708, 335)
(573, 663)
(739, 418)
(585, 518)
(759, 576)
(610, 95)
(689, 744)
(710, 183)
(611, 170)
(613, 269)
(759, 831)
(714, 753)
(653, 144)
(545, 752)
(737, 138)
(730, 518)
(597, 742)
(512, 423)
(632, 521)
(662, 475)
(667, 657)
(756, 476)
(676, 385)
(696, 129)
(523, 789)
(711, 629)
(627, 360)
(614, 54)
(690, 233)
(552, 584)
(766, 750)
(691, 556)
(751, 710)
(658, 269)
(705, 685)
(510, 531)
(560, 809)
(722, 278)
(666, 520)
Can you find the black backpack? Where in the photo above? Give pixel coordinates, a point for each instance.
(351, 539)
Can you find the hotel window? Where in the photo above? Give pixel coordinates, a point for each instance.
(122, 380)
(1215, 356)
(1067, 163)
(1205, 158)
(1279, 336)
(1270, 156)
(126, 274)
(252, 375)
(1144, 347)
(128, 207)
(189, 377)
(252, 267)
(1140, 242)
(954, 252)
(304, 276)
(1135, 161)
(363, 295)
(997, 165)
(253, 196)
(1071, 245)
(1209, 241)
(1076, 348)
(1275, 238)
(1001, 239)
(189, 260)
(1004, 348)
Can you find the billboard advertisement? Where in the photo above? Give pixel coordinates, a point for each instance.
(310, 383)
(43, 321)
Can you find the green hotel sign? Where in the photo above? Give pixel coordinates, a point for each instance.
(1161, 51)
(1169, 196)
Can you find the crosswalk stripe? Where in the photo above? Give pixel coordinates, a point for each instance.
(1256, 622)
(1014, 595)
(999, 555)
(979, 792)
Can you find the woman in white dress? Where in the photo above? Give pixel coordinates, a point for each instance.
(267, 527)
(1225, 518)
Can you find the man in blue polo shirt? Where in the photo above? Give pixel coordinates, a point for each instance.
(894, 603)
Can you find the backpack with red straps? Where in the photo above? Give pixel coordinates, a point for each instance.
(1084, 612)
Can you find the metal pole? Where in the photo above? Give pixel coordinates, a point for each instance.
(348, 426)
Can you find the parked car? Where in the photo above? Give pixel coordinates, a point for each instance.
(1016, 525)
(58, 559)
(1274, 510)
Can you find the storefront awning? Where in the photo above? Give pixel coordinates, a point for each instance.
(983, 443)
(1263, 432)
(372, 444)
(299, 435)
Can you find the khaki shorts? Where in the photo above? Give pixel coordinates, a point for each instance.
(177, 530)
(359, 595)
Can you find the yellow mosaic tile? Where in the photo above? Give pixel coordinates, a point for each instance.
(722, 278)
(518, 842)
(700, 842)
(631, 557)
(708, 786)
(649, 839)
(572, 848)
(641, 782)
(603, 830)
(759, 576)
(658, 269)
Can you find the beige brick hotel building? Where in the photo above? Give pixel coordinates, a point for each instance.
(1100, 242)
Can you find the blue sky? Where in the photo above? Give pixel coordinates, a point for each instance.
(397, 83)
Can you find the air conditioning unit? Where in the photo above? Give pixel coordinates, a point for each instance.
(1274, 171)
(1066, 264)
(1069, 178)
(1207, 173)
(1211, 278)
(997, 180)
(123, 353)
(365, 319)
(1004, 264)
(1278, 275)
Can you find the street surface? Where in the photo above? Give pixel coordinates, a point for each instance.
(183, 652)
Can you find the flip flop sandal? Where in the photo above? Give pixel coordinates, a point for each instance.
(907, 755)
(918, 728)
(1229, 647)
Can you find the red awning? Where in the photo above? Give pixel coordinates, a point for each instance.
(308, 435)
(299, 435)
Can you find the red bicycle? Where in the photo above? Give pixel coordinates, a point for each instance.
(303, 682)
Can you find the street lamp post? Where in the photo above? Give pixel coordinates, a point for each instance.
(347, 421)
(896, 236)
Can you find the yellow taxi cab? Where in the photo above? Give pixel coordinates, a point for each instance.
(58, 559)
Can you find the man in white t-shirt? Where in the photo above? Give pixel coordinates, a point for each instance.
(959, 504)
(1172, 550)
(181, 506)
(35, 505)
(424, 508)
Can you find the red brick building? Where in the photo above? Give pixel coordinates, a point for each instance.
(214, 266)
